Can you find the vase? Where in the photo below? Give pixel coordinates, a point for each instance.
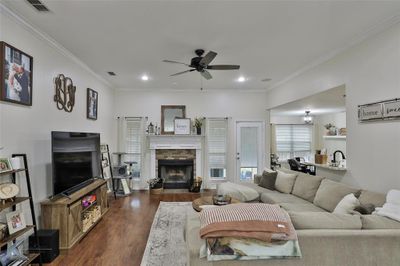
(198, 130)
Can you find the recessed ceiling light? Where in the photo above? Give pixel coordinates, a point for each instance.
(241, 79)
(144, 77)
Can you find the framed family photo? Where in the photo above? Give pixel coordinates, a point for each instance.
(16, 71)
(92, 104)
(5, 165)
(15, 221)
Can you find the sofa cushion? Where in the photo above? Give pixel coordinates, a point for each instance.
(238, 191)
(347, 205)
(257, 179)
(268, 180)
(378, 222)
(324, 220)
(274, 198)
(301, 207)
(330, 193)
(369, 197)
(306, 186)
(257, 188)
(284, 182)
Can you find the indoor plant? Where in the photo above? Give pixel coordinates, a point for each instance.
(155, 185)
(198, 123)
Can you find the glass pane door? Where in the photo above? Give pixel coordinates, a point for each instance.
(249, 149)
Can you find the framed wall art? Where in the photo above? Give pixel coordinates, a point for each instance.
(182, 126)
(92, 104)
(15, 221)
(5, 165)
(168, 115)
(384, 110)
(15, 75)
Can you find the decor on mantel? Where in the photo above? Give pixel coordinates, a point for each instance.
(16, 72)
(182, 126)
(198, 123)
(168, 114)
(383, 110)
(92, 99)
(65, 93)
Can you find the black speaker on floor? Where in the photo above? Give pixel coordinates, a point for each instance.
(48, 245)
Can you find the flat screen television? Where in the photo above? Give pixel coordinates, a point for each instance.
(76, 160)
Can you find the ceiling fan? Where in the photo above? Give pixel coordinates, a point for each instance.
(201, 64)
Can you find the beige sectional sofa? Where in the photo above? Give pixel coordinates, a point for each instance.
(325, 238)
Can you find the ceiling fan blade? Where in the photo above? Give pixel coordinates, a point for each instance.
(206, 74)
(175, 62)
(183, 72)
(223, 67)
(208, 58)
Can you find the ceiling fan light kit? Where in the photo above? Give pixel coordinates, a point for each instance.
(201, 63)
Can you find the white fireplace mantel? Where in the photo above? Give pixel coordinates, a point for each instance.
(165, 142)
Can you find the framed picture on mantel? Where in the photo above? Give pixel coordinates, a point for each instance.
(182, 126)
(168, 115)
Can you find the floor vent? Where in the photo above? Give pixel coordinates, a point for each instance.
(38, 5)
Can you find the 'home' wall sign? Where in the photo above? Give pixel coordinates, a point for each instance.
(385, 110)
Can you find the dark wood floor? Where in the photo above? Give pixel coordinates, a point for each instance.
(121, 236)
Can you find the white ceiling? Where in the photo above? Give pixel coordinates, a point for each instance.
(327, 102)
(269, 39)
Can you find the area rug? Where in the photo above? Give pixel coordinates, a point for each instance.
(166, 242)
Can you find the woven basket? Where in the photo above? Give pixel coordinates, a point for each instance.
(155, 191)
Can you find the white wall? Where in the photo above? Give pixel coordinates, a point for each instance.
(371, 72)
(236, 105)
(27, 129)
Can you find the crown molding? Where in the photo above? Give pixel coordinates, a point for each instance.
(45, 37)
(150, 90)
(377, 28)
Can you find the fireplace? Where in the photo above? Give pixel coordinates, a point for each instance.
(176, 173)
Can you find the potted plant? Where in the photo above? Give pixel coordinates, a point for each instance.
(198, 123)
(155, 185)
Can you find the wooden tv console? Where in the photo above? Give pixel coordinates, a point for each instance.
(65, 214)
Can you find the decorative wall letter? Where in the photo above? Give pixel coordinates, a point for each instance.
(65, 93)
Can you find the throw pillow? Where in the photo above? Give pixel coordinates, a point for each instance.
(284, 182)
(268, 180)
(365, 208)
(257, 179)
(347, 204)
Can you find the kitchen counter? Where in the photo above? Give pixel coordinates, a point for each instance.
(326, 166)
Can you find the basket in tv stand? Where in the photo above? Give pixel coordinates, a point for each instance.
(65, 214)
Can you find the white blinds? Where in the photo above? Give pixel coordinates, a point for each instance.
(293, 140)
(217, 142)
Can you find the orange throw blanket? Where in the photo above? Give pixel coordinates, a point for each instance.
(260, 221)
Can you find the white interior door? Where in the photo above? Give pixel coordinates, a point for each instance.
(249, 150)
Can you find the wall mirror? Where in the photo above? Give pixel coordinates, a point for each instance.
(168, 115)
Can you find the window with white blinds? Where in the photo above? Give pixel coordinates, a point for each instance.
(217, 133)
(133, 144)
(293, 141)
